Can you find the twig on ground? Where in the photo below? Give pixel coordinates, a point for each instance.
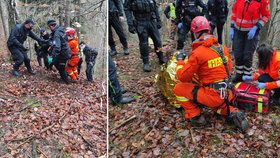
(40, 150)
(42, 131)
(34, 149)
(123, 123)
(191, 133)
(88, 143)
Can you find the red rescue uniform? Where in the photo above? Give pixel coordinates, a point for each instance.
(273, 70)
(208, 66)
(72, 66)
(246, 15)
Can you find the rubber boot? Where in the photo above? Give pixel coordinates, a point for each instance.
(31, 72)
(198, 120)
(161, 59)
(125, 51)
(113, 51)
(146, 65)
(16, 73)
(125, 100)
(239, 120)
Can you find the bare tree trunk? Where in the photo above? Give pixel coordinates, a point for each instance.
(66, 12)
(13, 16)
(2, 12)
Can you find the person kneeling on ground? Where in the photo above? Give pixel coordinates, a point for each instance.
(206, 60)
(90, 57)
(268, 75)
(115, 90)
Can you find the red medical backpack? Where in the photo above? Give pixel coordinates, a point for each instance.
(249, 97)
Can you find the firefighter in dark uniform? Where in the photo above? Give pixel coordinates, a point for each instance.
(143, 19)
(60, 50)
(115, 90)
(217, 15)
(115, 15)
(90, 57)
(15, 42)
(186, 11)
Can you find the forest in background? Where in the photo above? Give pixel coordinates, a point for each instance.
(88, 17)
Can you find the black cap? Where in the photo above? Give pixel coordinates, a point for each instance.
(28, 21)
(51, 22)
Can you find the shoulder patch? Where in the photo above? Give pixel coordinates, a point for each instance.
(277, 56)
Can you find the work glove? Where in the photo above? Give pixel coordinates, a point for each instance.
(181, 56)
(159, 24)
(252, 32)
(121, 18)
(50, 60)
(261, 85)
(180, 25)
(231, 33)
(131, 29)
(247, 78)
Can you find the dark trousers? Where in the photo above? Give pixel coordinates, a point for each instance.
(115, 93)
(114, 22)
(19, 57)
(243, 50)
(266, 78)
(146, 29)
(220, 27)
(90, 71)
(60, 65)
(44, 56)
(80, 65)
(182, 35)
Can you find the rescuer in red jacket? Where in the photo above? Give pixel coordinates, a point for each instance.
(268, 75)
(248, 17)
(207, 64)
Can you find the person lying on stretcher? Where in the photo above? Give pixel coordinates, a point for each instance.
(268, 74)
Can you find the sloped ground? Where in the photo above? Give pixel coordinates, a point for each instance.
(41, 117)
(156, 129)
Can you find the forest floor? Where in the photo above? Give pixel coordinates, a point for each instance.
(40, 117)
(157, 129)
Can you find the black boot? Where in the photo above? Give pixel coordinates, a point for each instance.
(113, 52)
(16, 73)
(31, 72)
(146, 65)
(237, 78)
(239, 120)
(198, 121)
(161, 59)
(125, 51)
(125, 100)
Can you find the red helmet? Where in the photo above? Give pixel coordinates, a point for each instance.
(70, 31)
(200, 23)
